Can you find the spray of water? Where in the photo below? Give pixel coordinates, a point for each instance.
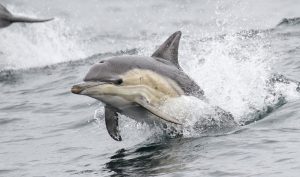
(234, 70)
(25, 46)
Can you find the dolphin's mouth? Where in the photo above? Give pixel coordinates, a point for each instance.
(79, 88)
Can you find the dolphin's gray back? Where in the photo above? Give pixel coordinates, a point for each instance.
(120, 65)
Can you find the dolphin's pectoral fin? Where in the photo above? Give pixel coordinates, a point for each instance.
(169, 49)
(154, 110)
(112, 124)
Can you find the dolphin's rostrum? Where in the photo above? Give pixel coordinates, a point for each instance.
(6, 18)
(136, 86)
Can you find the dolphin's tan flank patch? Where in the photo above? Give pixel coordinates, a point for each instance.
(152, 80)
(143, 95)
(130, 92)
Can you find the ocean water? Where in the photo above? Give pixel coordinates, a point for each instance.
(231, 49)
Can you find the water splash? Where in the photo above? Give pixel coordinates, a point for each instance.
(129, 129)
(25, 46)
(235, 71)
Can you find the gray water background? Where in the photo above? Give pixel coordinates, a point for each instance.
(229, 47)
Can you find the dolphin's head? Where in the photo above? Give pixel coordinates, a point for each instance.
(100, 81)
(105, 71)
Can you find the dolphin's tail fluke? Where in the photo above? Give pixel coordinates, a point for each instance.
(21, 19)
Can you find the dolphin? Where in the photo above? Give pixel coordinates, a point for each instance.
(6, 18)
(289, 21)
(136, 86)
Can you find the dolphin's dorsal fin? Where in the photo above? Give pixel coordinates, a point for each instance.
(169, 49)
(112, 124)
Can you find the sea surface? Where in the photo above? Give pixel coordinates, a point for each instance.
(231, 48)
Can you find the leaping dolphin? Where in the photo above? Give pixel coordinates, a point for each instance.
(136, 86)
(6, 18)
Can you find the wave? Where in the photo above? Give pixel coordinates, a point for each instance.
(56, 42)
(38, 45)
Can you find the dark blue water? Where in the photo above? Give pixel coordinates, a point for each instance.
(230, 48)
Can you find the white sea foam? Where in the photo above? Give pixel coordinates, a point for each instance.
(34, 45)
(233, 71)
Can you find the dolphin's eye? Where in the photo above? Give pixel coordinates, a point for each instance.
(102, 61)
(119, 82)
